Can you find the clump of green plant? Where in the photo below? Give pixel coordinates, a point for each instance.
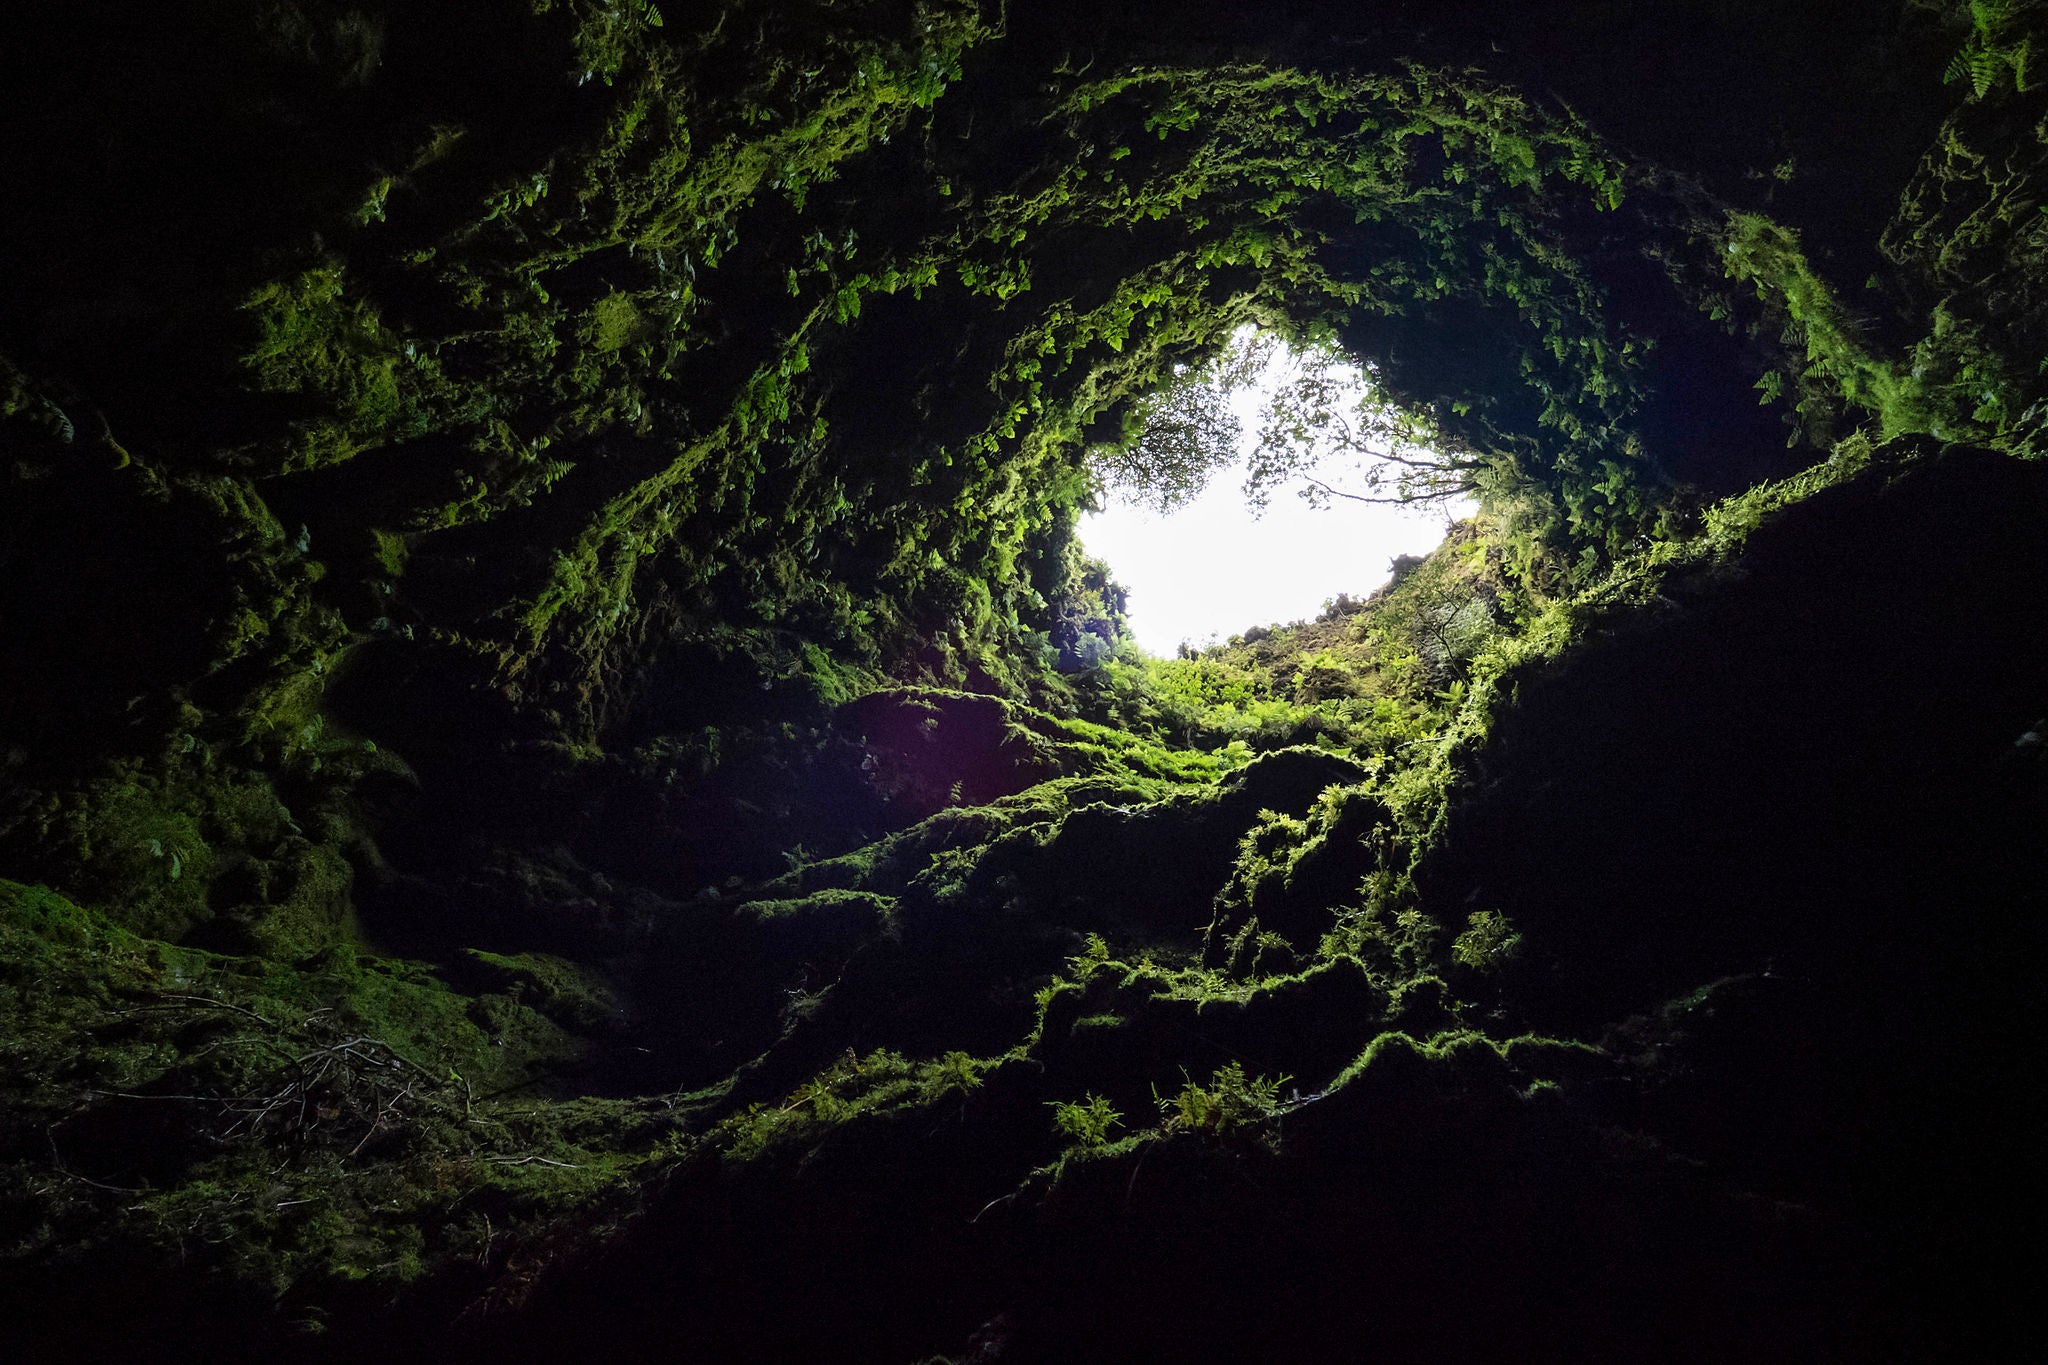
(851, 1087)
(1392, 940)
(954, 1072)
(1840, 363)
(1488, 943)
(1094, 956)
(2001, 33)
(1231, 1100)
(1087, 1121)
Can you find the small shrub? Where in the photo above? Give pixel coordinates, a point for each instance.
(1230, 1100)
(1394, 943)
(954, 1071)
(1086, 1121)
(1489, 942)
(1093, 956)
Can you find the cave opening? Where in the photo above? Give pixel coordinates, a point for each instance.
(1272, 508)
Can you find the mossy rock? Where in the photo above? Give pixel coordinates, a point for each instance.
(571, 995)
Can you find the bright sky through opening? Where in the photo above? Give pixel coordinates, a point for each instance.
(1209, 569)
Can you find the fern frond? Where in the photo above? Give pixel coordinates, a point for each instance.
(1990, 15)
(1984, 67)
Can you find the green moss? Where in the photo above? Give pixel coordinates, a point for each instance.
(392, 551)
(313, 339)
(824, 917)
(852, 1089)
(1397, 1065)
(1488, 942)
(677, 511)
(337, 1119)
(558, 989)
(206, 845)
(612, 322)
